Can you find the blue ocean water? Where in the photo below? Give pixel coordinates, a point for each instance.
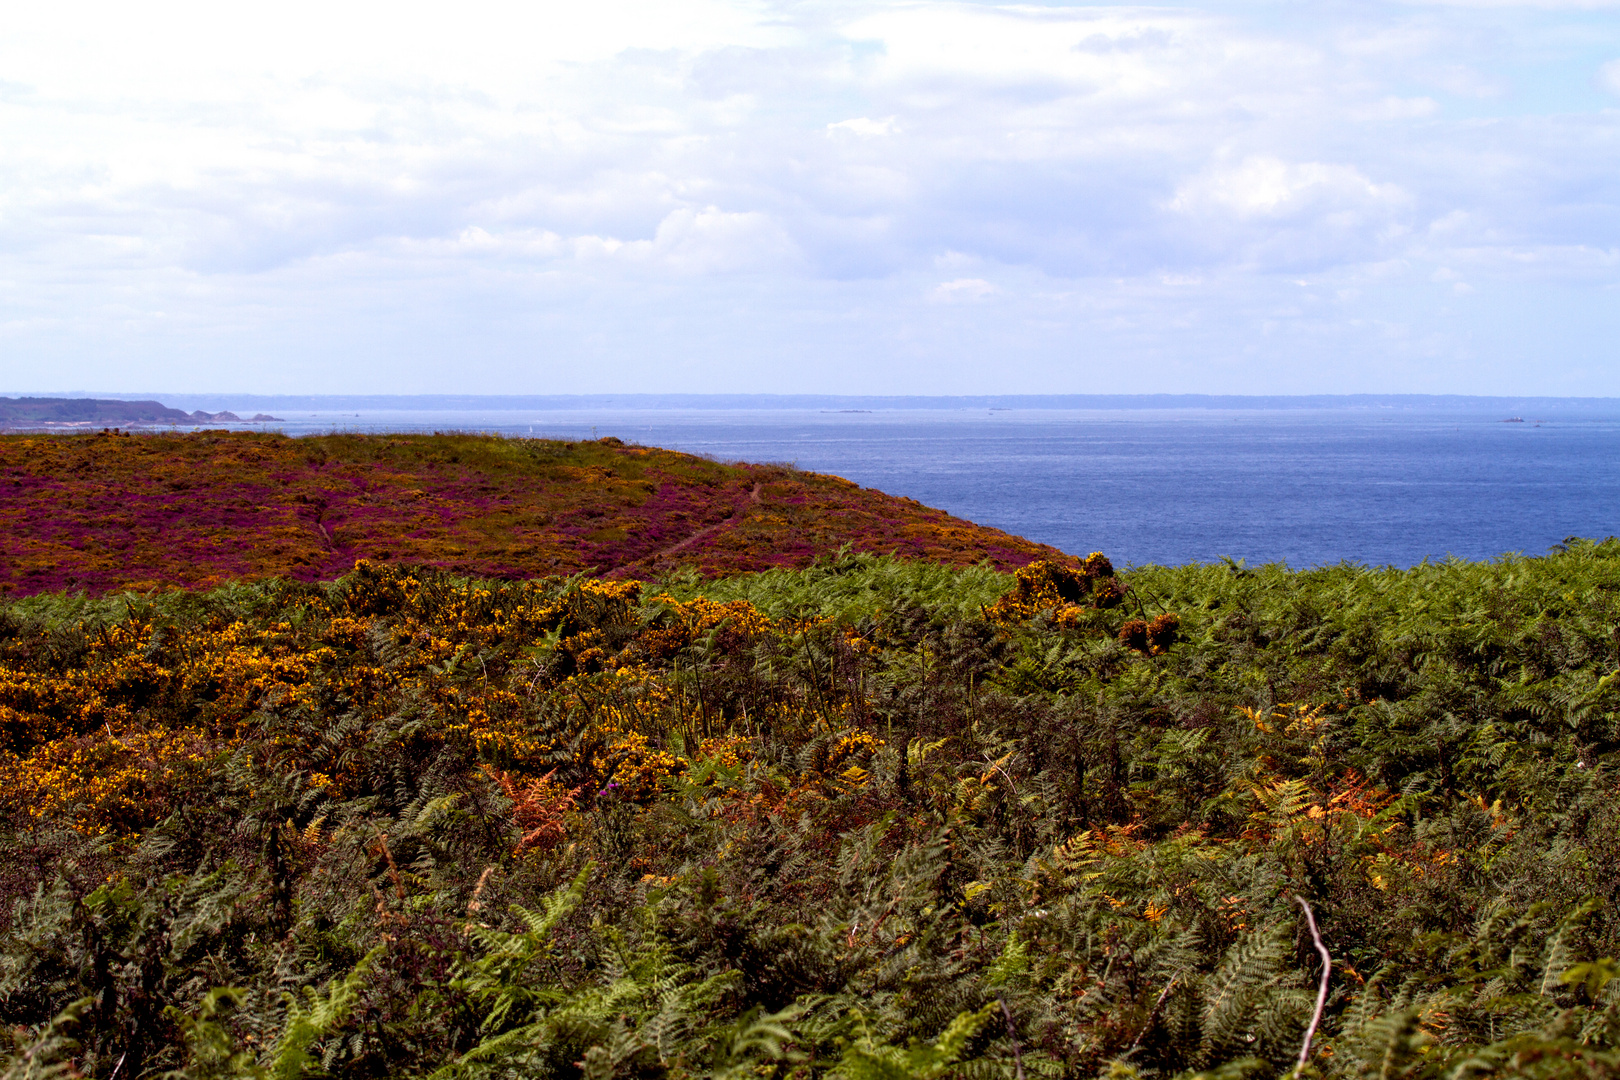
(1307, 487)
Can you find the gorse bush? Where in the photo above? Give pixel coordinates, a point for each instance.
(869, 819)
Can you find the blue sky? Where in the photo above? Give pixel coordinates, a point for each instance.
(715, 196)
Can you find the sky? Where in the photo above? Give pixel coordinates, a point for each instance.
(739, 196)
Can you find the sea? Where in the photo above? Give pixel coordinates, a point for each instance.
(1311, 482)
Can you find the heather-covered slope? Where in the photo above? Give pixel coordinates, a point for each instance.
(103, 512)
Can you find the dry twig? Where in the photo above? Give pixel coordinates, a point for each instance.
(1321, 992)
(1153, 1013)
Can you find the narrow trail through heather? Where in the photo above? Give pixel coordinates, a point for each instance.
(708, 530)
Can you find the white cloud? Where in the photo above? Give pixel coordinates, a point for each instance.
(1546, 5)
(954, 260)
(1609, 76)
(864, 126)
(687, 242)
(203, 162)
(711, 241)
(178, 51)
(1465, 81)
(1109, 49)
(963, 290)
(1397, 108)
(1269, 187)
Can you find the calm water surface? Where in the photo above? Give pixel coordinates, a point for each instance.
(1166, 487)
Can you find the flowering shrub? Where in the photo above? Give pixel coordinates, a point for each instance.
(102, 514)
(1061, 588)
(636, 767)
(1153, 636)
(106, 784)
(818, 824)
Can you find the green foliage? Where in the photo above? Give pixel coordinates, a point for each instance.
(851, 587)
(48, 1052)
(866, 1059)
(828, 822)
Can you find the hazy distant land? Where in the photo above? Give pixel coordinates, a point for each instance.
(188, 404)
(70, 412)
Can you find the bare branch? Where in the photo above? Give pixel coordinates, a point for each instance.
(1154, 1012)
(1321, 992)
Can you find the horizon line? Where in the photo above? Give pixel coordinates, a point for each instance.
(655, 401)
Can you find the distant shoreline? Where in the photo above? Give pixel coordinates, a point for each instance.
(1446, 403)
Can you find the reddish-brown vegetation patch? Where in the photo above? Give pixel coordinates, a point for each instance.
(103, 512)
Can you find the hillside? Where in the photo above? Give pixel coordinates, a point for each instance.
(29, 411)
(868, 819)
(50, 414)
(105, 512)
